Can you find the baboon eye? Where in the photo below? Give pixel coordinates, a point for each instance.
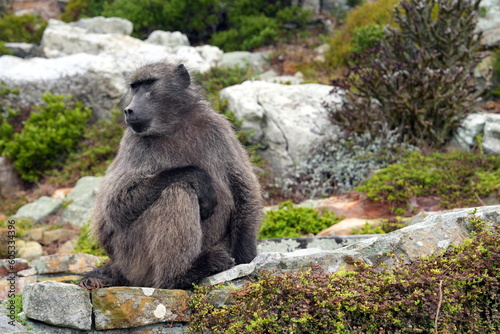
(146, 82)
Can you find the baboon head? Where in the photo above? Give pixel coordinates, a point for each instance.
(157, 96)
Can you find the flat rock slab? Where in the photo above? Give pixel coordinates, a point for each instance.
(125, 307)
(59, 304)
(69, 263)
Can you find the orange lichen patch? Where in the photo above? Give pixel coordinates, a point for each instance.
(125, 307)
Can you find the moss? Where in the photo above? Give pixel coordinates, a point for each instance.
(459, 179)
(14, 306)
(455, 291)
(86, 243)
(290, 221)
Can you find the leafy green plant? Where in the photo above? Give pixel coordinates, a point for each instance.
(366, 37)
(86, 243)
(47, 136)
(290, 221)
(459, 179)
(455, 291)
(367, 14)
(76, 9)
(16, 302)
(419, 80)
(22, 28)
(93, 154)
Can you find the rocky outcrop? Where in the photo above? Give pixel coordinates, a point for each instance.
(90, 59)
(125, 308)
(39, 209)
(489, 24)
(287, 121)
(479, 126)
(81, 199)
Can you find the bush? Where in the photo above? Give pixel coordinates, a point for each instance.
(455, 291)
(23, 28)
(47, 136)
(366, 37)
(94, 153)
(458, 179)
(368, 14)
(419, 81)
(86, 243)
(388, 225)
(76, 9)
(289, 221)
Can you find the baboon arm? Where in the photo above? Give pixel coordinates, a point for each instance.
(137, 196)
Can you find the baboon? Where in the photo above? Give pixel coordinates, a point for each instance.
(180, 202)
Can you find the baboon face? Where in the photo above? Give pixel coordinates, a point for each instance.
(155, 97)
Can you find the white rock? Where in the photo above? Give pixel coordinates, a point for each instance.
(168, 38)
(491, 136)
(103, 25)
(288, 121)
(471, 126)
(490, 23)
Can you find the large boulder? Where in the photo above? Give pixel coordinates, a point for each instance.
(81, 198)
(289, 121)
(479, 125)
(89, 59)
(62, 39)
(489, 24)
(427, 235)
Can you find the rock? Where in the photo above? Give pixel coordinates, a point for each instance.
(286, 79)
(39, 209)
(22, 50)
(34, 234)
(491, 136)
(105, 25)
(81, 198)
(14, 284)
(61, 193)
(473, 125)
(7, 323)
(60, 304)
(12, 266)
(345, 226)
(68, 247)
(288, 121)
(125, 307)
(293, 244)
(61, 39)
(30, 250)
(434, 232)
(490, 23)
(312, 5)
(98, 81)
(70, 263)
(9, 180)
(57, 234)
(168, 38)
(483, 75)
(61, 279)
(242, 59)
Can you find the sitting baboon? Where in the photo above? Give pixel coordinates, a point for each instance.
(180, 201)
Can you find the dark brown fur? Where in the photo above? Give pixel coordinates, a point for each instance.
(180, 201)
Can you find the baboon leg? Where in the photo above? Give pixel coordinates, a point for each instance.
(209, 262)
(102, 277)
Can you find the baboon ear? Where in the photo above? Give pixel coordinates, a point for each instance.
(183, 75)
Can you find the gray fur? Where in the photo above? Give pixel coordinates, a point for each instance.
(167, 231)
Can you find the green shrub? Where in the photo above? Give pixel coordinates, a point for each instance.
(23, 28)
(290, 221)
(76, 9)
(86, 243)
(458, 179)
(455, 291)
(47, 137)
(94, 153)
(16, 303)
(366, 37)
(411, 82)
(370, 13)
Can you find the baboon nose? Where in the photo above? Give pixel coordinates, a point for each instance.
(128, 111)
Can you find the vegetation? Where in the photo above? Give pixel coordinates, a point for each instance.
(387, 225)
(290, 221)
(419, 80)
(49, 134)
(94, 152)
(459, 179)
(376, 13)
(455, 291)
(20, 28)
(235, 25)
(86, 243)
(17, 302)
